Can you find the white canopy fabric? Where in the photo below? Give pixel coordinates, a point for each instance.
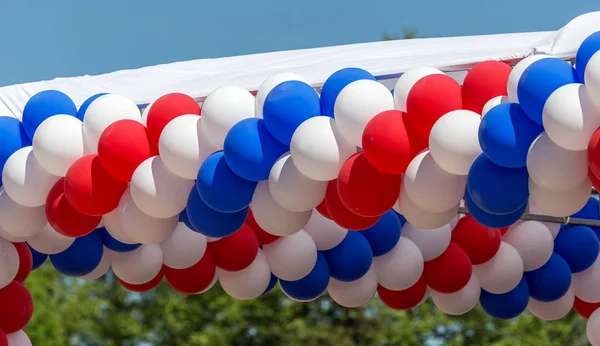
(387, 60)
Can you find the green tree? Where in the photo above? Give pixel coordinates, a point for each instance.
(407, 34)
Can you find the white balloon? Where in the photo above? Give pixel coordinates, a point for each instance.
(19, 220)
(58, 142)
(570, 118)
(420, 217)
(183, 146)
(138, 266)
(498, 100)
(554, 168)
(430, 187)
(224, 108)
(534, 242)
(25, 180)
(140, 227)
(461, 302)
(357, 104)
(9, 263)
(184, 248)
(293, 190)
(18, 339)
(158, 192)
(292, 257)
(319, 150)
(400, 268)
(268, 85)
(145, 113)
(13, 238)
(585, 284)
(554, 228)
(112, 223)
(104, 111)
(431, 242)
(354, 294)
(272, 217)
(325, 233)
(592, 78)
(552, 311)
(592, 328)
(503, 272)
(48, 241)
(517, 72)
(102, 267)
(560, 203)
(406, 81)
(454, 141)
(248, 283)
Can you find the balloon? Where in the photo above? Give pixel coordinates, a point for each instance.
(590, 211)
(25, 261)
(287, 106)
(420, 217)
(533, 241)
(322, 209)
(431, 242)
(272, 283)
(12, 138)
(81, 112)
(493, 220)
(9, 263)
(292, 257)
(113, 244)
(407, 81)
(17, 307)
(588, 48)
(517, 72)
(508, 305)
(138, 266)
(400, 268)
(592, 77)
(25, 181)
(593, 154)
(551, 281)
(450, 272)
(585, 283)
(310, 286)
(339, 213)
(183, 248)
(495, 198)
(336, 83)
(505, 135)
(560, 203)
(325, 233)
(461, 302)
(403, 299)
(554, 228)
(58, 143)
(250, 150)
(493, 103)
(18, 220)
(384, 235)
(81, 258)
(293, 190)
(481, 243)
(237, 251)
(122, 147)
(221, 110)
(102, 268)
(44, 105)
(145, 287)
(483, 82)
(194, 279)
(552, 311)
(101, 113)
(112, 223)
(49, 242)
(364, 190)
(268, 85)
(273, 218)
(210, 222)
(354, 294)
(539, 81)
(591, 329)
(584, 309)
(570, 118)
(351, 259)
(263, 237)
(503, 272)
(578, 246)
(38, 259)
(248, 283)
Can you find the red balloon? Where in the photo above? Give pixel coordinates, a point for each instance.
(342, 215)
(194, 279)
(483, 82)
(165, 109)
(405, 299)
(585, 309)
(450, 272)
(25, 262)
(594, 153)
(364, 190)
(64, 218)
(429, 99)
(122, 147)
(322, 209)
(148, 286)
(17, 307)
(3, 338)
(90, 189)
(235, 252)
(263, 237)
(594, 179)
(481, 243)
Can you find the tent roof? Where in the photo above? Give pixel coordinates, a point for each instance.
(387, 60)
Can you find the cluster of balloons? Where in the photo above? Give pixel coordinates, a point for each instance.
(353, 191)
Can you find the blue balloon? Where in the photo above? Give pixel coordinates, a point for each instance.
(42, 106)
(81, 258)
(220, 188)
(588, 48)
(550, 282)
(351, 259)
(505, 135)
(495, 189)
(272, 284)
(539, 81)
(400, 217)
(113, 244)
(210, 222)
(38, 258)
(384, 235)
(250, 150)
(493, 220)
(590, 211)
(183, 217)
(578, 246)
(287, 106)
(81, 112)
(12, 138)
(310, 286)
(508, 305)
(336, 82)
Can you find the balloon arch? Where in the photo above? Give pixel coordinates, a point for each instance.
(434, 190)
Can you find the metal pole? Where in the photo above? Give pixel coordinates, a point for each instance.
(552, 219)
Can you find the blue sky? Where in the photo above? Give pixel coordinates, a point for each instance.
(44, 39)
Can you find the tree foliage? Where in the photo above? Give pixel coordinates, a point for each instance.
(407, 34)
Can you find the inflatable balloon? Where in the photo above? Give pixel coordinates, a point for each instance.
(49, 242)
(401, 267)
(146, 286)
(20, 221)
(210, 222)
(552, 311)
(407, 81)
(263, 237)
(533, 241)
(461, 302)
(584, 309)
(590, 211)
(343, 216)
(449, 272)
(384, 235)
(293, 257)
(25, 261)
(38, 259)
(517, 73)
(354, 294)
(591, 329)
(481, 243)
(248, 283)
(578, 246)
(140, 227)
(551, 281)
(483, 82)
(403, 299)
(81, 258)
(43, 105)
(585, 283)
(336, 83)
(592, 77)
(508, 305)
(63, 217)
(431, 242)
(237, 251)
(420, 217)
(102, 267)
(493, 220)
(17, 307)
(554, 228)
(493, 103)
(310, 286)
(113, 244)
(503, 272)
(268, 85)
(351, 259)
(193, 279)
(560, 203)
(138, 266)
(325, 233)
(84, 106)
(9, 263)
(183, 248)
(12, 138)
